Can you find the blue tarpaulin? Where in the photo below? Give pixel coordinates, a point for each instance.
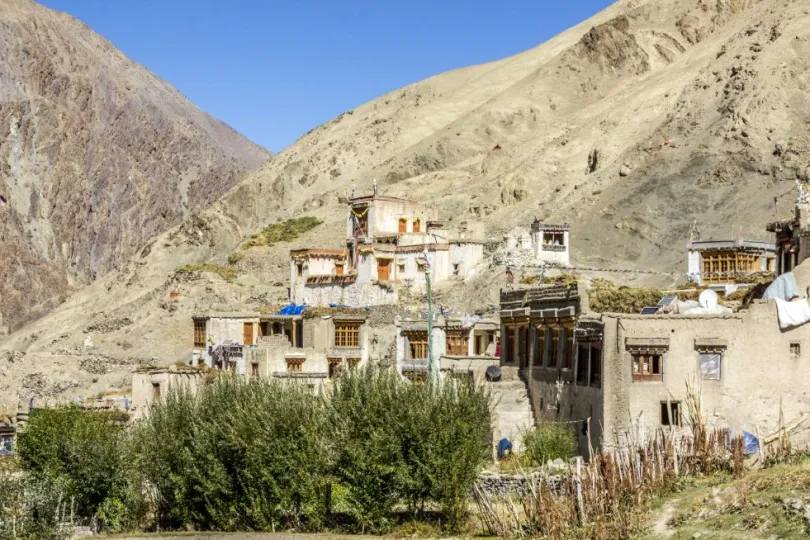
(292, 309)
(750, 442)
(504, 448)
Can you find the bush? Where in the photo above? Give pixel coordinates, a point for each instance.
(398, 443)
(31, 508)
(285, 231)
(549, 441)
(241, 455)
(84, 455)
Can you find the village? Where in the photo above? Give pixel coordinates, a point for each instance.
(737, 329)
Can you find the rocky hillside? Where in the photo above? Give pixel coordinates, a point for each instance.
(96, 155)
(629, 126)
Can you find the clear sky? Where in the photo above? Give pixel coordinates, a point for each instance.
(275, 69)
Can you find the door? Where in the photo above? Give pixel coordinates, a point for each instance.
(382, 270)
(403, 225)
(248, 334)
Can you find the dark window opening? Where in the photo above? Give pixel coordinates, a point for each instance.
(671, 413)
(582, 364)
(596, 367)
(254, 369)
(795, 350)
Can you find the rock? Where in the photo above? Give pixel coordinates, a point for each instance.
(697, 535)
(780, 149)
(625, 170)
(593, 160)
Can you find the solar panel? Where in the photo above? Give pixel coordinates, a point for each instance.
(649, 311)
(667, 300)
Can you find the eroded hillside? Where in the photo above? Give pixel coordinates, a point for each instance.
(629, 126)
(96, 155)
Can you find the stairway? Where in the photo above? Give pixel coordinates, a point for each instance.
(513, 413)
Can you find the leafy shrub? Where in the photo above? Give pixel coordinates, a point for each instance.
(31, 508)
(549, 441)
(235, 258)
(240, 455)
(398, 443)
(285, 231)
(84, 454)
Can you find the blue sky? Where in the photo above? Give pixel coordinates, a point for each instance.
(275, 69)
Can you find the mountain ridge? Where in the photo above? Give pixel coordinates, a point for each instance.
(629, 126)
(94, 152)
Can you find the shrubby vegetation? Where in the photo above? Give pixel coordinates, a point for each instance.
(283, 231)
(549, 441)
(260, 455)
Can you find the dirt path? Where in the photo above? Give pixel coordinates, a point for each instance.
(661, 526)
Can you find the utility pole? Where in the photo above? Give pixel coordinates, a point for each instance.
(433, 373)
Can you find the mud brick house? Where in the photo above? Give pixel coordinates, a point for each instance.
(729, 264)
(387, 241)
(628, 372)
(460, 345)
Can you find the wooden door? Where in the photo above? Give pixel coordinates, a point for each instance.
(248, 334)
(403, 225)
(382, 270)
(417, 225)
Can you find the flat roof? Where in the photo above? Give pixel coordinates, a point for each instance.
(731, 245)
(371, 198)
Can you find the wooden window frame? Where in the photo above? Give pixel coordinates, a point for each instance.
(550, 236)
(595, 362)
(199, 334)
(582, 373)
(335, 365)
(417, 346)
(352, 362)
(647, 373)
(254, 369)
(541, 345)
(570, 351)
(299, 269)
(155, 392)
(402, 225)
(347, 335)
(457, 342)
(416, 225)
(338, 269)
(295, 365)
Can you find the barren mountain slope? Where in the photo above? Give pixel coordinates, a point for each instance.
(629, 126)
(96, 155)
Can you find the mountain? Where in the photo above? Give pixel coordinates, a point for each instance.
(97, 154)
(629, 126)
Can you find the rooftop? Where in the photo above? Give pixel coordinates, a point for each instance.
(740, 244)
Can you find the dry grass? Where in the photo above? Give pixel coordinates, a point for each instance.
(285, 231)
(228, 273)
(606, 297)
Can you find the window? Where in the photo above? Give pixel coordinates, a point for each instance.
(568, 353)
(417, 225)
(295, 365)
(199, 334)
(403, 225)
(247, 332)
(596, 366)
(709, 363)
(795, 350)
(401, 268)
(554, 346)
(582, 364)
(541, 345)
(299, 269)
(155, 392)
(510, 343)
(334, 366)
(723, 266)
(671, 413)
(353, 362)
(417, 346)
(254, 369)
(455, 269)
(648, 366)
(457, 342)
(338, 269)
(554, 238)
(347, 334)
